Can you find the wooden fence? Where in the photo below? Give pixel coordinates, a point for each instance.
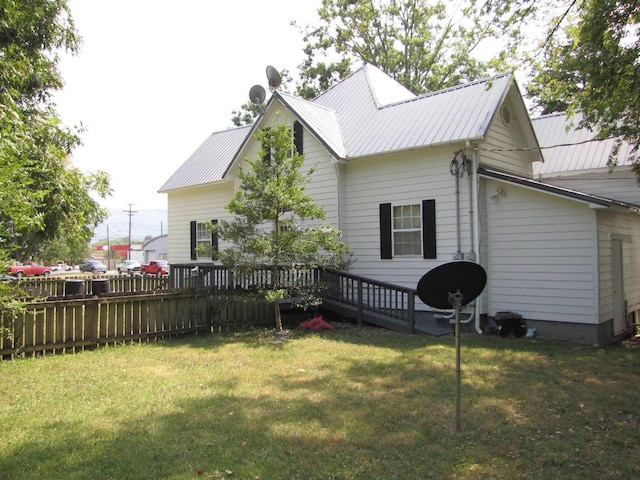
(88, 286)
(71, 325)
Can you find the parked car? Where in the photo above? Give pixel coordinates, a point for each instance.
(156, 267)
(31, 269)
(128, 266)
(93, 266)
(61, 267)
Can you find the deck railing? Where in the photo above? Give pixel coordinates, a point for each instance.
(371, 296)
(221, 277)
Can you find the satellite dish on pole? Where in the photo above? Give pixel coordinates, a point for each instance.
(273, 77)
(257, 94)
(438, 284)
(453, 285)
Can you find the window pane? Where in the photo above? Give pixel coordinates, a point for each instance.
(407, 228)
(203, 232)
(407, 243)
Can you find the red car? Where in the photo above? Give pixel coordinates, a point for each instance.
(31, 269)
(155, 267)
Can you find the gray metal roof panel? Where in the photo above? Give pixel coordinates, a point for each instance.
(569, 149)
(488, 172)
(321, 121)
(210, 160)
(448, 116)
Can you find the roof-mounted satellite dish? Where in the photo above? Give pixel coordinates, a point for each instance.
(257, 94)
(453, 285)
(274, 77)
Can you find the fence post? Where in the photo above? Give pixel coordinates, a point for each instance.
(360, 303)
(412, 312)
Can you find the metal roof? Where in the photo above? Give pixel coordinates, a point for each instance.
(367, 113)
(566, 148)
(210, 161)
(453, 115)
(488, 172)
(321, 121)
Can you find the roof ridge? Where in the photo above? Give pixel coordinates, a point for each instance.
(450, 89)
(235, 127)
(310, 102)
(549, 115)
(338, 83)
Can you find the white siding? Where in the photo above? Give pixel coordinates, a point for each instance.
(620, 184)
(500, 148)
(625, 227)
(542, 256)
(200, 204)
(401, 179)
(323, 185)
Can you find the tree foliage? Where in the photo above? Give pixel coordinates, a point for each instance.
(274, 219)
(592, 66)
(42, 197)
(425, 45)
(43, 200)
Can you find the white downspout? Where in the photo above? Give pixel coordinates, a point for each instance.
(475, 227)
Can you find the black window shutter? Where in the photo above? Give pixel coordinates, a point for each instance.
(386, 245)
(194, 242)
(429, 228)
(267, 138)
(297, 137)
(214, 241)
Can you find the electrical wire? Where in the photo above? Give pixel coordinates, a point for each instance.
(529, 149)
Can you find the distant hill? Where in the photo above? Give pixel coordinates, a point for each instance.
(144, 222)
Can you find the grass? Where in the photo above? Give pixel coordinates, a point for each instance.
(345, 404)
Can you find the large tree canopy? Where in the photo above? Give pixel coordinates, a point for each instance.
(592, 66)
(424, 44)
(41, 196)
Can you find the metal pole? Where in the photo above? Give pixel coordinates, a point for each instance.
(456, 299)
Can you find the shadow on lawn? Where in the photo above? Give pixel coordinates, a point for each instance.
(528, 412)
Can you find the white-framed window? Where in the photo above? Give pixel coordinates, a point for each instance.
(203, 237)
(203, 242)
(407, 230)
(296, 132)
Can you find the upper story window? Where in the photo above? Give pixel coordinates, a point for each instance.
(296, 133)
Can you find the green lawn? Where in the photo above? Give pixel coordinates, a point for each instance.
(345, 404)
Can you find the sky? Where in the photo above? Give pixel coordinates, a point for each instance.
(154, 78)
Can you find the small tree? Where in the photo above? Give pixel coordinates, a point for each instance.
(271, 228)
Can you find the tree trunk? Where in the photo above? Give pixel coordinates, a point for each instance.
(276, 308)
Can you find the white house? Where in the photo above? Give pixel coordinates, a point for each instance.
(417, 181)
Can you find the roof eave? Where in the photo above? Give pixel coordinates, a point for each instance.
(591, 200)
